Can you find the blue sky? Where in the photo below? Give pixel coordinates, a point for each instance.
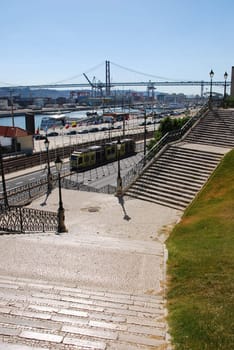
(47, 41)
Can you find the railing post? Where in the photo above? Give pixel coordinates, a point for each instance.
(21, 220)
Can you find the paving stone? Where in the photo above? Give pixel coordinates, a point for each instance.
(84, 343)
(91, 332)
(41, 336)
(146, 322)
(8, 286)
(128, 346)
(111, 304)
(147, 310)
(8, 346)
(108, 325)
(73, 312)
(43, 308)
(110, 318)
(115, 299)
(29, 322)
(87, 307)
(136, 339)
(72, 320)
(30, 314)
(5, 310)
(146, 330)
(9, 331)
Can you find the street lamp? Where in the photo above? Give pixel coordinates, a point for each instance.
(3, 180)
(211, 81)
(119, 179)
(225, 89)
(49, 176)
(61, 217)
(145, 132)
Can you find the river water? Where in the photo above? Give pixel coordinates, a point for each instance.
(19, 120)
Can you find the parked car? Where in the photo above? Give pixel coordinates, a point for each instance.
(53, 133)
(39, 137)
(72, 132)
(94, 130)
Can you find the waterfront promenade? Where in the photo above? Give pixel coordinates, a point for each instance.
(101, 285)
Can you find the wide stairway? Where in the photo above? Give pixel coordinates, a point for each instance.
(216, 129)
(179, 173)
(36, 315)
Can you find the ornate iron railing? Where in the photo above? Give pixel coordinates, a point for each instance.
(138, 169)
(21, 220)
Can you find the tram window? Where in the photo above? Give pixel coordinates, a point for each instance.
(80, 160)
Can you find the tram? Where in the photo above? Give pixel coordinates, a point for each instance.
(94, 156)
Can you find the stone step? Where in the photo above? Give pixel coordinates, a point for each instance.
(170, 203)
(177, 177)
(166, 187)
(214, 142)
(187, 160)
(166, 193)
(193, 154)
(163, 166)
(36, 315)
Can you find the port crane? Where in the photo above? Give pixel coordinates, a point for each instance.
(94, 85)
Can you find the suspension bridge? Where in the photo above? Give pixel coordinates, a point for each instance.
(109, 83)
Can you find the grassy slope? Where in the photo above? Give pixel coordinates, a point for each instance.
(201, 267)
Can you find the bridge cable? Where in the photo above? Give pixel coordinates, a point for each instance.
(145, 74)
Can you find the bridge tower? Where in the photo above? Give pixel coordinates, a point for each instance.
(150, 88)
(107, 78)
(202, 89)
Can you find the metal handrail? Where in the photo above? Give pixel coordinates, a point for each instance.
(18, 219)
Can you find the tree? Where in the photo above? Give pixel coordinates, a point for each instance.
(166, 125)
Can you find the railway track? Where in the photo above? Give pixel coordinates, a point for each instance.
(20, 162)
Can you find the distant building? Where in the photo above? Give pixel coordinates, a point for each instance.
(15, 139)
(3, 103)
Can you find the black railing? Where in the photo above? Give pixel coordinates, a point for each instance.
(171, 136)
(21, 220)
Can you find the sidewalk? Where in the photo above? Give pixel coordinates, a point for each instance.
(99, 286)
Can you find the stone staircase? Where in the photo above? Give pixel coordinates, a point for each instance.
(36, 315)
(177, 175)
(216, 129)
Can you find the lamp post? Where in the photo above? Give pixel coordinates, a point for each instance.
(3, 179)
(145, 132)
(49, 177)
(61, 217)
(225, 89)
(211, 81)
(119, 179)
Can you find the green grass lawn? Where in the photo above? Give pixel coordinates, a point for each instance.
(201, 267)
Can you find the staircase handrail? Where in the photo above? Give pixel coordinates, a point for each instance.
(18, 219)
(170, 136)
